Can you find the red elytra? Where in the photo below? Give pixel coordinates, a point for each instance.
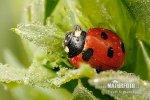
(103, 50)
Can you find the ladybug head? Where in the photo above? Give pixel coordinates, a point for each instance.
(74, 42)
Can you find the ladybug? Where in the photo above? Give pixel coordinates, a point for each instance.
(99, 47)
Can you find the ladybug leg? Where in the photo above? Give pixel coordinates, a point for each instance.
(98, 70)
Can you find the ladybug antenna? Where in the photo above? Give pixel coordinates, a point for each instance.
(78, 28)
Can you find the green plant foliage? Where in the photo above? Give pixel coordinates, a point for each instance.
(38, 93)
(11, 74)
(81, 93)
(42, 30)
(140, 10)
(65, 75)
(48, 37)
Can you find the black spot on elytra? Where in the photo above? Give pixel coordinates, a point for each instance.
(110, 52)
(87, 54)
(122, 47)
(104, 35)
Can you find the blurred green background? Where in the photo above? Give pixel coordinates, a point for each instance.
(10, 14)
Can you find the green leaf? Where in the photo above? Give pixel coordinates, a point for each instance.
(40, 35)
(37, 75)
(49, 7)
(38, 10)
(143, 58)
(34, 11)
(11, 74)
(81, 93)
(140, 9)
(37, 93)
(47, 37)
(142, 33)
(65, 75)
(140, 91)
(69, 15)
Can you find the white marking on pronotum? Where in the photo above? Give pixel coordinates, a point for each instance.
(77, 33)
(66, 49)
